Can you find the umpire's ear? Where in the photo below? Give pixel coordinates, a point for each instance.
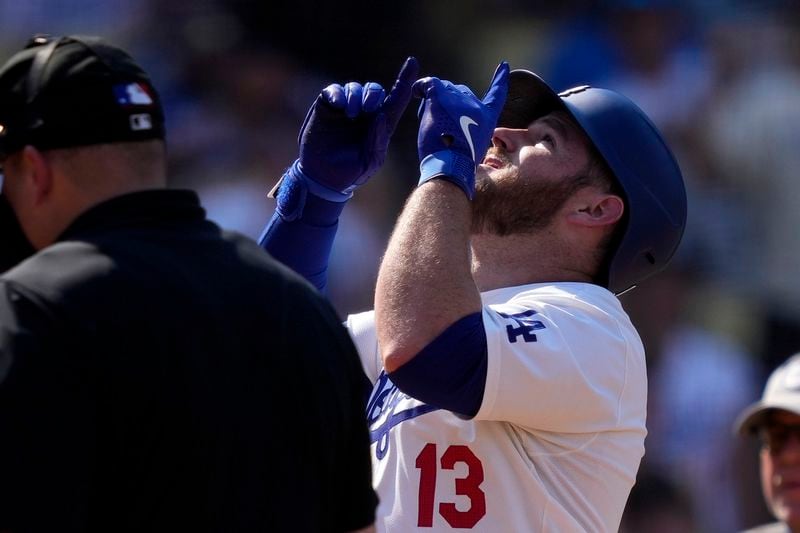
(37, 173)
(27, 181)
(29, 185)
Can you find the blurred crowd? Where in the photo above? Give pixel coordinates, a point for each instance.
(721, 79)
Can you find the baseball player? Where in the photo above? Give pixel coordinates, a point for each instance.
(509, 386)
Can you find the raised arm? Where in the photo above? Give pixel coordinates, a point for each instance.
(343, 142)
(427, 306)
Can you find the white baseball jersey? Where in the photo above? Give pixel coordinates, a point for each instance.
(558, 438)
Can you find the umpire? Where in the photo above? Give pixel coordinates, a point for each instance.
(156, 372)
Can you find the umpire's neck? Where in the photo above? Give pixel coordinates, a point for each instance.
(49, 189)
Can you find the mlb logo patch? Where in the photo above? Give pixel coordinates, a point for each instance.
(141, 122)
(129, 94)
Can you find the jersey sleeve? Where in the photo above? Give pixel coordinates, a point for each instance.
(362, 330)
(563, 365)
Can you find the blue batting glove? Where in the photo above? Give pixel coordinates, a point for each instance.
(456, 127)
(344, 140)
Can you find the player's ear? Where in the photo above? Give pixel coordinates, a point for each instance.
(594, 209)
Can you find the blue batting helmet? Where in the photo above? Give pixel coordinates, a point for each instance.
(646, 170)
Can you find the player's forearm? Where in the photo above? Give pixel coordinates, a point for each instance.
(343, 142)
(305, 244)
(425, 282)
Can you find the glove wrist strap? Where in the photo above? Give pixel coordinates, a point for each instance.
(450, 166)
(293, 190)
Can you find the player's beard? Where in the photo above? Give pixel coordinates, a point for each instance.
(517, 204)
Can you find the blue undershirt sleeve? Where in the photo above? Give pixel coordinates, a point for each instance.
(304, 243)
(450, 372)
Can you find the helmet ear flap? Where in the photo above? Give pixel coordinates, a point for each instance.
(649, 176)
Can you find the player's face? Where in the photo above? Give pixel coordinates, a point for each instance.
(528, 174)
(780, 466)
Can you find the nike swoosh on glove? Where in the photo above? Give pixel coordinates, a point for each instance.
(456, 127)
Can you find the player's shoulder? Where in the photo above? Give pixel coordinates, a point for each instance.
(565, 305)
(774, 527)
(570, 291)
(562, 295)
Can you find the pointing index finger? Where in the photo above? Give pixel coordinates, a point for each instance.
(496, 95)
(398, 98)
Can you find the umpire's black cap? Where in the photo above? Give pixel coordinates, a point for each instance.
(75, 91)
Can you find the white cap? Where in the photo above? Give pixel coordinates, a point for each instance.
(782, 392)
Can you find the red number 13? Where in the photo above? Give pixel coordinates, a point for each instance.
(467, 486)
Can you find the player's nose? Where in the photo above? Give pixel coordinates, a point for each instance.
(506, 138)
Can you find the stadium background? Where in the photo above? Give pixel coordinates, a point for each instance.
(721, 78)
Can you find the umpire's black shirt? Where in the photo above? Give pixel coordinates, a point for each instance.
(159, 374)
